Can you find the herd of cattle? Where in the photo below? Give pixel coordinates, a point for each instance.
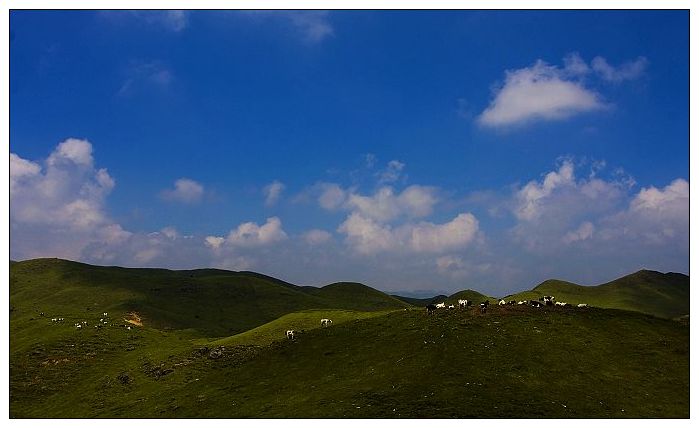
(463, 304)
(483, 306)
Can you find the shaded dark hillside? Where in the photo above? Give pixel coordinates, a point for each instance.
(211, 301)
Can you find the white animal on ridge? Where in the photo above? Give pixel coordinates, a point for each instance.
(441, 305)
(290, 334)
(325, 322)
(463, 303)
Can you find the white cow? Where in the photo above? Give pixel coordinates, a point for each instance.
(561, 304)
(441, 305)
(463, 303)
(290, 334)
(451, 306)
(582, 305)
(325, 322)
(522, 302)
(502, 302)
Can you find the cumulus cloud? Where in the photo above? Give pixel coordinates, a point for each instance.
(547, 92)
(539, 92)
(57, 207)
(414, 201)
(251, 234)
(627, 71)
(582, 233)
(532, 195)
(185, 191)
(272, 192)
(549, 209)
(654, 216)
(366, 236)
(332, 196)
(316, 237)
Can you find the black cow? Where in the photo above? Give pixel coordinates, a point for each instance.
(484, 307)
(431, 308)
(536, 304)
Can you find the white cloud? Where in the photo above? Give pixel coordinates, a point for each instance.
(186, 191)
(332, 196)
(391, 173)
(170, 20)
(316, 237)
(214, 242)
(414, 201)
(574, 65)
(627, 71)
(531, 196)
(582, 233)
(312, 25)
(251, 234)
(367, 236)
(430, 237)
(539, 92)
(57, 208)
(72, 150)
(141, 75)
(272, 192)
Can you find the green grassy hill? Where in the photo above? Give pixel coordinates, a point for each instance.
(509, 362)
(209, 301)
(212, 345)
(664, 295)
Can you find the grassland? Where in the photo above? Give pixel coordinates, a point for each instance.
(380, 358)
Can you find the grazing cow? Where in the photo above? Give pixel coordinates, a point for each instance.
(512, 302)
(451, 306)
(463, 303)
(54, 319)
(522, 302)
(548, 300)
(484, 307)
(430, 308)
(561, 304)
(502, 302)
(441, 305)
(486, 303)
(582, 305)
(536, 304)
(290, 334)
(325, 322)
(104, 314)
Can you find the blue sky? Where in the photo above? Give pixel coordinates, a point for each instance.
(410, 150)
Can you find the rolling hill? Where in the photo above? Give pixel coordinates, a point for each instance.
(210, 301)
(664, 295)
(212, 344)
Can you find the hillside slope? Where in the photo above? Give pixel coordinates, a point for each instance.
(661, 294)
(210, 302)
(509, 362)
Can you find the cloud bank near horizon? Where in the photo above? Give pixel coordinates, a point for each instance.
(394, 238)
